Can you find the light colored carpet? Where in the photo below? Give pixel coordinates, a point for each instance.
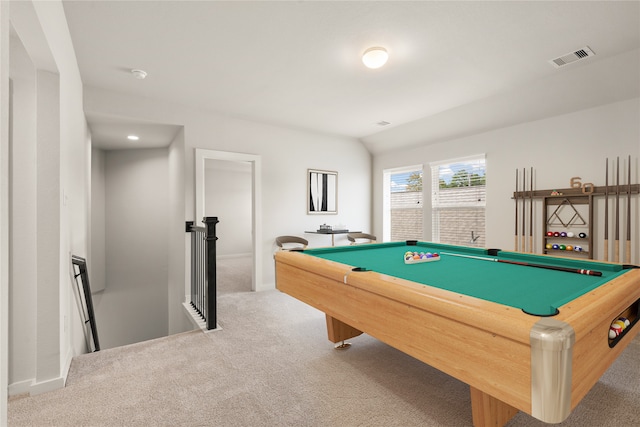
(271, 365)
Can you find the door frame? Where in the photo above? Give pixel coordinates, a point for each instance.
(201, 156)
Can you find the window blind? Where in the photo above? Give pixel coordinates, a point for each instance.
(458, 201)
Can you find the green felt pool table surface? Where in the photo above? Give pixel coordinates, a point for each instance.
(535, 290)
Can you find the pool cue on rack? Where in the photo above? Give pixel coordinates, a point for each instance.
(606, 211)
(628, 246)
(616, 250)
(528, 264)
(531, 211)
(524, 209)
(516, 199)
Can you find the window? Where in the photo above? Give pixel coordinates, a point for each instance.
(403, 204)
(458, 201)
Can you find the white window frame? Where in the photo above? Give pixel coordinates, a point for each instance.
(436, 207)
(386, 196)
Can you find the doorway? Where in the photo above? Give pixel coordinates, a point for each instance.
(228, 163)
(228, 189)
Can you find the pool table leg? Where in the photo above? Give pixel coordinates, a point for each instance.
(339, 331)
(487, 411)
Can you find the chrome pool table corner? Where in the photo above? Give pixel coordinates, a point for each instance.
(551, 360)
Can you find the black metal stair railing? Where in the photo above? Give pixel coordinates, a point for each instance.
(203, 269)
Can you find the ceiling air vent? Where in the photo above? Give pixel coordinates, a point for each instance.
(579, 54)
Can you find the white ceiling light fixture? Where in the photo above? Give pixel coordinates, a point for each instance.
(133, 137)
(375, 57)
(139, 74)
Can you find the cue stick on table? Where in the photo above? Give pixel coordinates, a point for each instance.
(628, 248)
(531, 211)
(516, 199)
(606, 211)
(524, 206)
(617, 226)
(528, 264)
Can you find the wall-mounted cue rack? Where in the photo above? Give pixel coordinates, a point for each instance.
(572, 199)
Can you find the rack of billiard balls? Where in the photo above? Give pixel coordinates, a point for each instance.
(557, 247)
(563, 234)
(418, 257)
(618, 327)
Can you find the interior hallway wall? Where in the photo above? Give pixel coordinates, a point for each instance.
(178, 239)
(134, 304)
(23, 242)
(97, 273)
(60, 204)
(5, 112)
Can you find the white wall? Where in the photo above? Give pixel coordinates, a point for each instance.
(23, 217)
(4, 208)
(283, 176)
(178, 238)
(133, 307)
(74, 176)
(49, 189)
(228, 197)
(558, 149)
(97, 273)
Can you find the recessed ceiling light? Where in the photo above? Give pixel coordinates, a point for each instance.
(133, 137)
(139, 74)
(375, 57)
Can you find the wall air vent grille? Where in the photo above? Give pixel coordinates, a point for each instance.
(567, 59)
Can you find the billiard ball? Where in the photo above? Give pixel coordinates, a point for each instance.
(570, 234)
(569, 247)
(619, 323)
(563, 247)
(582, 235)
(563, 234)
(614, 332)
(549, 246)
(577, 248)
(555, 246)
(549, 233)
(556, 234)
(625, 321)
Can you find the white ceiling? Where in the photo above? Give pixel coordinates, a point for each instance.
(455, 68)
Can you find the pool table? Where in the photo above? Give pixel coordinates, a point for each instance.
(525, 338)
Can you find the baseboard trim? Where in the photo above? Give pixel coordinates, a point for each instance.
(67, 367)
(196, 320)
(46, 386)
(21, 387)
(32, 388)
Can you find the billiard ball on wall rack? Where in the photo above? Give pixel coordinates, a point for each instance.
(565, 234)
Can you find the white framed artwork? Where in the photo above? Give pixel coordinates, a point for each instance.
(322, 192)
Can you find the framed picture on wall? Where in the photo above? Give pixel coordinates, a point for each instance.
(322, 192)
